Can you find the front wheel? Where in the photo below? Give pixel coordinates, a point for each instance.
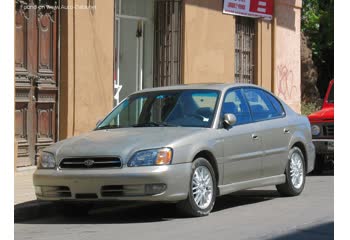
(295, 174)
(202, 192)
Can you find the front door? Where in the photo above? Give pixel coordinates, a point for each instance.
(35, 79)
(242, 147)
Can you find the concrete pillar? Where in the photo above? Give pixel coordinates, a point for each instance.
(208, 42)
(86, 93)
(286, 66)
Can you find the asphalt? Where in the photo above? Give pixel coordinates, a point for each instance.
(251, 214)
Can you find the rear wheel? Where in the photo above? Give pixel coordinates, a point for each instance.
(295, 174)
(202, 192)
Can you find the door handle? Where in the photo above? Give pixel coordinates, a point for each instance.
(255, 137)
(286, 130)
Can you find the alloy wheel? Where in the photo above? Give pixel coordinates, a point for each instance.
(202, 187)
(296, 170)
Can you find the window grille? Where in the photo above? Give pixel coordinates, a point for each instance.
(167, 43)
(244, 50)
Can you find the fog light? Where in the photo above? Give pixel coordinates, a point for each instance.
(151, 189)
(38, 190)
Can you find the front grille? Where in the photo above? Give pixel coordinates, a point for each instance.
(112, 191)
(86, 196)
(91, 162)
(55, 191)
(328, 130)
(132, 190)
(122, 190)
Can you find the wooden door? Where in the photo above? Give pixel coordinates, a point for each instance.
(35, 78)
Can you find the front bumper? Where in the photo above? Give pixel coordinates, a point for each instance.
(153, 183)
(311, 156)
(324, 146)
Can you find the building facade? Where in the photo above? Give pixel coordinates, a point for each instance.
(78, 60)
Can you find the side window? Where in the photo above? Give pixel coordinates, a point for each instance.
(234, 103)
(276, 104)
(260, 106)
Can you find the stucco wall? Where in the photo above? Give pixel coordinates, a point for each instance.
(87, 67)
(208, 42)
(287, 51)
(86, 91)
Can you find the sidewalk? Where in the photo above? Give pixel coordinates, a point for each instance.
(26, 206)
(24, 189)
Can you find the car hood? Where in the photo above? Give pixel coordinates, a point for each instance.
(122, 142)
(325, 114)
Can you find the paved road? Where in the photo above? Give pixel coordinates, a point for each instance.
(252, 214)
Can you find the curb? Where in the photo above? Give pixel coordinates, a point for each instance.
(24, 170)
(33, 209)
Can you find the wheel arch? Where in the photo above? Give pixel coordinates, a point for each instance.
(212, 160)
(302, 147)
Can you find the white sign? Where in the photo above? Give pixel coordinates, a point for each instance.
(249, 8)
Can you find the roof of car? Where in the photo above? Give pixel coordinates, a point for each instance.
(209, 86)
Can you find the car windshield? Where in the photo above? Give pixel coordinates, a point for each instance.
(331, 95)
(185, 108)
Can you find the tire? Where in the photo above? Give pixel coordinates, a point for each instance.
(296, 163)
(72, 209)
(319, 164)
(195, 205)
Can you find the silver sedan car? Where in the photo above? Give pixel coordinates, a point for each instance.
(183, 144)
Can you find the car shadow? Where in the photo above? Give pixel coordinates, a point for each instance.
(131, 212)
(321, 231)
(326, 172)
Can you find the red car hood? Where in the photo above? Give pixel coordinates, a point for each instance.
(325, 114)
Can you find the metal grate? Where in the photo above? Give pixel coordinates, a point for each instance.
(328, 130)
(167, 42)
(244, 50)
(93, 162)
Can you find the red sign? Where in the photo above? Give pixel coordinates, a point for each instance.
(249, 8)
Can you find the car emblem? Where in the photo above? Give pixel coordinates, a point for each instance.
(89, 162)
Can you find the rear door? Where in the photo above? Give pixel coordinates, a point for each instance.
(242, 150)
(271, 128)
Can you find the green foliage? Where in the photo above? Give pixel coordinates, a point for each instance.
(317, 23)
(307, 107)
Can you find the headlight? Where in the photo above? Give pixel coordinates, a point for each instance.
(315, 130)
(46, 160)
(151, 157)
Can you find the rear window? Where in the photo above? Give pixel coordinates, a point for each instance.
(276, 104)
(260, 106)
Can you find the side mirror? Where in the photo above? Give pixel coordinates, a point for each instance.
(229, 120)
(98, 122)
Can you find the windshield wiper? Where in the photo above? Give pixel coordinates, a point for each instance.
(154, 124)
(109, 127)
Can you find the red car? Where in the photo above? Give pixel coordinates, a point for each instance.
(322, 127)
